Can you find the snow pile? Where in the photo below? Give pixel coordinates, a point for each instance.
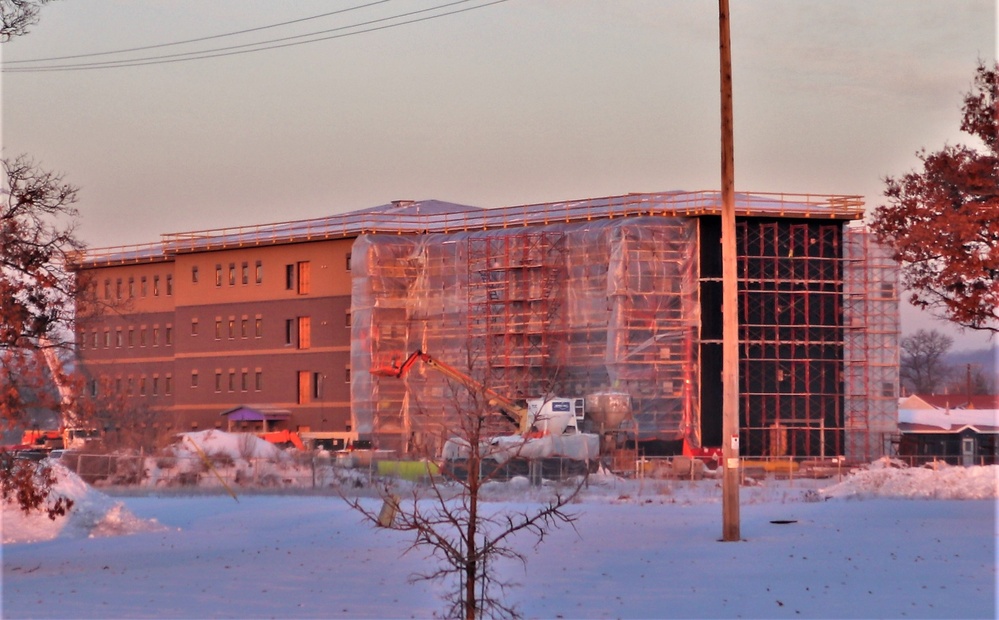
(233, 445)
(890, 478)
(216, 458)
(93, 514)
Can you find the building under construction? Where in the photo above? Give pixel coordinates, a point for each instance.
(615, 301)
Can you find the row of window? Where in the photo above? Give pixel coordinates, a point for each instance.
(309, 383)
(297, 278)
(244, 271)
(297, 275)
(122, 287)
(297, 331)
(231, 385)
(142, 386)
(127, 337)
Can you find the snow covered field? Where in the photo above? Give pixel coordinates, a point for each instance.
(881, 543)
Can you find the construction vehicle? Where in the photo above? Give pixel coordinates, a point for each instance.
(283, 438)
(72, 435)
(545, 426)
(541, 416)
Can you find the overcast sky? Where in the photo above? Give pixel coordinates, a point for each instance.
(519, 102)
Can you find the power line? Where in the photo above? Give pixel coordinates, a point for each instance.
(259, 46)
(199, 39)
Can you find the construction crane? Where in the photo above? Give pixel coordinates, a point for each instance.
(73, 435)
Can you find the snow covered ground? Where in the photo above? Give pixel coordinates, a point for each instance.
(880, 543)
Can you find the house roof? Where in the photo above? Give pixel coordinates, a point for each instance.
(950, 401)
(246, 413)
(948, 420)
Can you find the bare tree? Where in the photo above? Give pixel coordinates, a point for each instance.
(448, 517)
(921, 365)
(971, 380)
(17, 15)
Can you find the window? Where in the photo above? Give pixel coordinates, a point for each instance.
(156, 286)
(347, 320)
(117, 338)
(93, 339)
(142, 336)
(131, 287)
(888, 389)
(131, 385)
(346, 374)
(194, 327)
(93, 387)
(117, 385)
(168, 334)
(258, 379)
(289, 328)
(232, 328)
(194, 378)
(107, 338)
(304, 391)
(244, 327)
(316, 385)
(194, 274)
(304, 277)
(244, 380)
(107, 289)
(258, 327)
(218, 380)
(142, 386)
(156, 335)
(232, 274)
(156, 385)
(297, 277)
(246, 272)
(348, 261)
(131, 337)
(168, 384)
(259, 268)
(218, 329)
(218, 275)
(144, 286)
(169, 284)
(232, 380)
(117, 288)
(304, 332)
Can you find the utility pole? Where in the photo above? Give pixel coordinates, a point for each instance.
(730, 294)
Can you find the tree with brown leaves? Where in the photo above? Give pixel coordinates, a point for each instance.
(37, 244)
(942, 223)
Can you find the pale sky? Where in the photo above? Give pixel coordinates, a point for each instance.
(523, 101)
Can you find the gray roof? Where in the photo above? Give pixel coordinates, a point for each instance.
(429, 216)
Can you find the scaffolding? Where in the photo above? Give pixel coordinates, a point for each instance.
(870, 343)
(631, 306)
(561, 310)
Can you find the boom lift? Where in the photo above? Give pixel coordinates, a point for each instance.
(541, 416)
(546, 427)
(518, 415)
(74, 436)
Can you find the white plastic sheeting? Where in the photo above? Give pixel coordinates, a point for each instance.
(535, 311)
